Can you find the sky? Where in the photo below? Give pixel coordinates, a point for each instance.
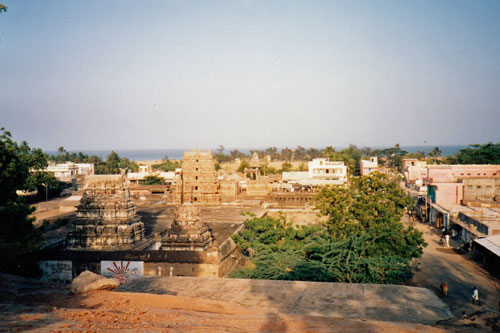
(198, 74)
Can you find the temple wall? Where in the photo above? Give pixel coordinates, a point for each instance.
(184, 263)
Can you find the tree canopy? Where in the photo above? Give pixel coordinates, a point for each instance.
(153, 180)
(363, 240)
(488, 153)
(19, 241)
(112, 165)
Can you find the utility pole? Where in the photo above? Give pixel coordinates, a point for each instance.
(46, 191)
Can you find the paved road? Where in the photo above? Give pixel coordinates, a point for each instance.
(461, 275)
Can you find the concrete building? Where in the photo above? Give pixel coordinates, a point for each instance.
(482, 191)
(325, 172)
(445, 183)
(413, 162)
(145, 171)
(368, 166)
(64, 172)
(85, 169)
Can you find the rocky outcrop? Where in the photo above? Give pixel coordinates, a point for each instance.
(88, 281)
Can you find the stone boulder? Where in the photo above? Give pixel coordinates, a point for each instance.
(88, 281)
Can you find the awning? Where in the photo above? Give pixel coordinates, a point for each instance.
(491, 243)
(467, 227)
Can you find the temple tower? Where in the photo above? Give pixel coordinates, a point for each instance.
(106, 217)
(198, 183)
(188, 232)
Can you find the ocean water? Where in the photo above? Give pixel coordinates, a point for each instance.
(159, 154)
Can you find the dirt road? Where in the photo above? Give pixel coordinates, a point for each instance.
(461, 274)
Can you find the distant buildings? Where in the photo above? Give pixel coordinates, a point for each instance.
(464, 200)
(368, 166)
(70, 172)
(445, 184)
(146, 170)
(320, 172)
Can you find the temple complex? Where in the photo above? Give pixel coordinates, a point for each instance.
(198, 181)
(188, 231)
(106, 217)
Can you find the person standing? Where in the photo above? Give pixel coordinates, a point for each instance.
(475, 296)
(447, 240)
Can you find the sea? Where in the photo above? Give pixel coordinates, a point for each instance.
(160, 154)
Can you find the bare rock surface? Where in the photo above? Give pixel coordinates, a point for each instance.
(356, 301)
(34, 306)
(88, 281)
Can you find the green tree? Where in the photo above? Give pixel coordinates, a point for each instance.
(286, 166)
(286, 154)
(153, 180)
(268, 170)
(167, 165)
(3, 8)
(363, 241)
(394, 156)
(300, 154)
(372, 204)
(113, 162)
(243, 165)
(488, 153)
(302, 167)
(19, 241)
(350, 156)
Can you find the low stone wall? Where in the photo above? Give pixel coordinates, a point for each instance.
(183, 263)
(298, 216)
(293, 199)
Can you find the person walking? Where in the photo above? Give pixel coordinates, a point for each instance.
(475, 296)
(447, 240)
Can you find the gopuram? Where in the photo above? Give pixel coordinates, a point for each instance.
(198, 181)
(188, 232)
(106, 217)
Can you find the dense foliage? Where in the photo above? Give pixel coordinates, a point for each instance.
(45, 185)
(19, 241)
(167, 165)
(112, 165)
(363, 241)
(153, 180)
(488, 153)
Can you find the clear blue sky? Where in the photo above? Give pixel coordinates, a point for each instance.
(183, 74)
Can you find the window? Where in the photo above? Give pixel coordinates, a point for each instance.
(478, 186)
(488, 186)
(196, 177)
(196, 169)
(196, 188)
(469, 187)
(195, 199)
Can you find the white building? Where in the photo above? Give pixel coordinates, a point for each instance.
(321, 172)
(368, 166)
(326, 172)
(86, 169)
(63, 172)
(146, 170)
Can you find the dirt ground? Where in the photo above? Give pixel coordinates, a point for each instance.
(440, 263)
(33, 306)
